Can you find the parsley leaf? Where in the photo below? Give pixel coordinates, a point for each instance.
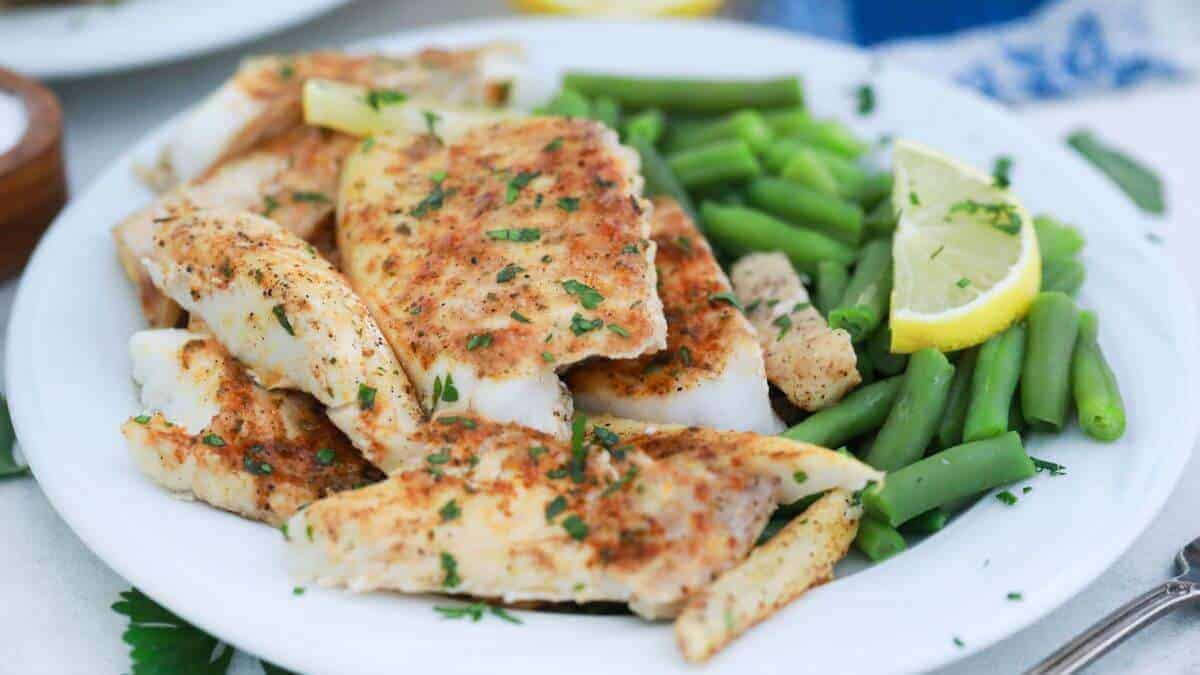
(509, 273)
(450, 568)
(366, 397)
(578, 464)
(8, 465)
(581, 325)
(1000, 170)
(377, 98)
(1000, 215)
(784, 323)
(554, 144)
(575, 527)
(450, 511)
(315, 197)
(432, 201)
(569, 204)
(589, 297)
(555, 507)
(479, 341)
(525, 234)
(517, 316)
(474, 612)
(518, 183)
(726, 296)
(431, 120)
(865, 94)
(281, 314)
(161, 642)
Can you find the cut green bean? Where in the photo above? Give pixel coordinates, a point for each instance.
(1097, 398)
(606, 111)
(879, 346)
(807, 169)
(1056, 240)
(1065, 275)
(847, 172)
(1045, 376)
(952, 474)
(808, 208)
(567, 103)
(1015, 421)
(648, 124)
(738, 230)
(997, 372)
(827, 134)
(929, 522)
(864, 364)
(877, 540)
(715, 163)
(832, 278)
(950, 429)
(874, 189)
(865, 303)
(660, 180)
(913, 420)
(863, 410)
(747, 126)
(670, 93)
(881, 220)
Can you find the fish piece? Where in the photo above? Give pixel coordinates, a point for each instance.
(514, 514)
(292, 179)
(814, 365)
(287, 314)
(494, 260)
(711, 373)
(213, 434)
(263, 98)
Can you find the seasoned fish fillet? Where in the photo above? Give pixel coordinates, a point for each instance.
(291, 179)
(287, 314)
(711, 373)
(499, 258)
(263, 98)
(212, 433)
(812, 364)
(502, 512)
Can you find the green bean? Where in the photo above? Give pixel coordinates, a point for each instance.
(827, 134)
(1045, 376)
(874, 189)
(879, 346)
(784, 515)
(831, 285)
(913, 419)
(949, 475)
(1056, 240)
(1097, 398)
(649, 124)
(878, 540)
(950, 429)
(1015, 421)
(864, 364)
(865, 303)
(714, 163)
(1064, 275)
(863, 410)
(671, 93)
(881, 220)
(847, 172)
(738, 230)
(747, 126)
(660, 180)
(606, 111)
(566, 103)
(994, 383)
(807, 169)
(808, 208)
(929, 522)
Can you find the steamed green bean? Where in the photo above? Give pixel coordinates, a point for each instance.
(831, 285)
(877, 540)
(807, 169)
(566, 103)
(913, 419)
(828, 134)
(648, 124)
(1097, 397)
(807, 207)
(879, 346)
(1045, 375)
(738, 230)
(683, 94)
(950, 429)
(865, 302)
(714, 163)
(997, 372)
(1055, 239)
(606, 111)
(747, 126)
(863, 410)
(660, 180)
(1065, 275)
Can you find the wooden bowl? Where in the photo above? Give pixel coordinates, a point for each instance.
(33, 183)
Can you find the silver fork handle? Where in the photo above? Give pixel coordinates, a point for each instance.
(1116, 627)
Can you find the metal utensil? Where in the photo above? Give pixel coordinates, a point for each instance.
(1129, 619)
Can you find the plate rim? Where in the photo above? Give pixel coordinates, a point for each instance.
(1184, 327)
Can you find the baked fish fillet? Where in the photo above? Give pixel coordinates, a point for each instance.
(711, 373)
(502, 512)
(263, 98)
(492, 261)
(212, 433)
(811, 363)
(287, 314)
(291, 179)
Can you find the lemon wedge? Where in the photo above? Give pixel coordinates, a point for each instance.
(965, 253)
(620, 7)
(359, 111)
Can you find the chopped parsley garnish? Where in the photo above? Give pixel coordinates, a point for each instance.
(1007, 497)
(603, 184)
(754, 304)
(555, 507)
(553, 145)
(509, 273)
(575, 527)
(555, 474)
(450, 567)
(315, 197)
(1015, 597)
(478, 341)
(1000, 215)
(525, 234)
(286, 71)
(518, 183)
(914, 199)
(537, 451)
(450, 511)
(1054, 468)
(621, 482)
(444, 390)
(784, 323)
(589, 297)
(517, 316)
(440, 457)
(431, 120)
(801, 306)
(546, 258)
(474, 612)
(963, 282)
(367, 144)
(605, 437)
(865, 94)
(377, 98)
(578, 464)
(213, 440)
(464, 422)
(581, 325)
(958, 642)
(366, 397)
(296, 590)
(434, 200)
(251, 463)
(269, 205)
(281, 314)
(618, 330)
(142, 419)
(630, 248)
(547, 357)
(568, 204)
(800, 476)
(685, 355)
(1000, 171)
(326, 456)
(726, 297)
(684, 243)
(937, 252)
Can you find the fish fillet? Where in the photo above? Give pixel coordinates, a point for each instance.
(493, 261)
(711, 373)
(814, 365)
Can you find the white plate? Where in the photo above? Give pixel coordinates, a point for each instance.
(54, 42)
(68, 379)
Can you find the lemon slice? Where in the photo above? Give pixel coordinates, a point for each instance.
(359, 111)
(620, 7)
(966, 256)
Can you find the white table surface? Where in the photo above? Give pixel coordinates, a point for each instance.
(55, 594)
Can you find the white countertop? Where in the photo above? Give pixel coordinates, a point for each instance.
(55, 594)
